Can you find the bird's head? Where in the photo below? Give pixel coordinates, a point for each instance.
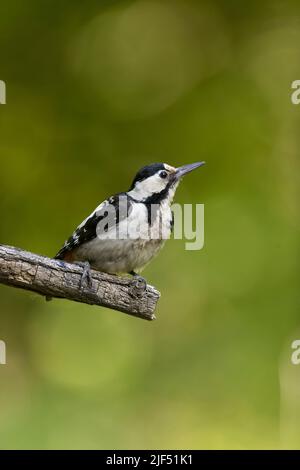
(157, 182)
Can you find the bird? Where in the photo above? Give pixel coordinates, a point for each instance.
(124, 233)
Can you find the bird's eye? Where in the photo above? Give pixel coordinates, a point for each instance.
(163, 174)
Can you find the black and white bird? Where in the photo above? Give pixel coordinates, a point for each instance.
(128, 229)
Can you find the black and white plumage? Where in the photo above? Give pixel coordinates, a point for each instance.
(128, 229)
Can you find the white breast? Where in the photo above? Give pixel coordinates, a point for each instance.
(136, 243)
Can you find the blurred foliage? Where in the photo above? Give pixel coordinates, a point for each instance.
(95, 91)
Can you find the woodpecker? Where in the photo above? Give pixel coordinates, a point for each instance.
(128, 229)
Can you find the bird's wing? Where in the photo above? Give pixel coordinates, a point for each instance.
(89, 229)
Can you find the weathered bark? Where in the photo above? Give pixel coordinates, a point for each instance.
(54, 278)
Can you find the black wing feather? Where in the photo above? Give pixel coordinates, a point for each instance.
(88, 231)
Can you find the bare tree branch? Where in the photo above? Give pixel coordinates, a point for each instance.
(54, 278)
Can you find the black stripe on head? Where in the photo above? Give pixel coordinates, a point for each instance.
(145, 172)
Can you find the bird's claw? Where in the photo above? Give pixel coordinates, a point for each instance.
(86, 279)
(139, 284)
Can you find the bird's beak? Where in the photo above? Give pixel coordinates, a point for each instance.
(183, 170)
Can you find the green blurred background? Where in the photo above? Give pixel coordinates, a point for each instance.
(95, 90)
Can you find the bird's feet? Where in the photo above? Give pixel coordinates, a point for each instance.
(86, 277)
(139, 284)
